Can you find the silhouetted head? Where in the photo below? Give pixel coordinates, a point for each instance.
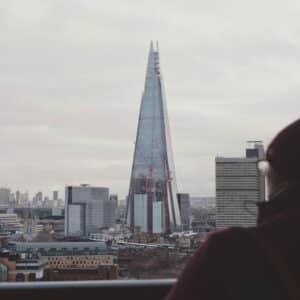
(283, 155)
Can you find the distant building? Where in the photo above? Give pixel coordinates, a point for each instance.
(96, 272)
(12, 201)
(121, 211)
(203, 202)
(78, 261)
(10, 222)
(55, 195)
(184, 207)
(37, 200)
(110, 211)
(238, 186)
(4, 198)
(84, 209)
(18, 197)
(59, 248)
(31, 226)
(24, 199)
(14, 268)
(39, 196)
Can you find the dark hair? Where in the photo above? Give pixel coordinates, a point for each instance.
(283, 152)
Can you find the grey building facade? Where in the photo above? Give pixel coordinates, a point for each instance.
(239, 186)
(4, 198)
(84, 209)
(111, 209)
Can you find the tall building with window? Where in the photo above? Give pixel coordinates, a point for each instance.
(152, 199)
(184, 206)
(111, 209)
(4, 199)
(238, 187)
(84, 209)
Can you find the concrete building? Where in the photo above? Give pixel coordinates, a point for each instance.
(184, 206)
(110, 211)
(14, 268)
(78, 261)
(10, 222)
(85, 209)
(32, 227)
(59, 248)
(100, 272)
(152, 199)
(238, 186)
(4, 198)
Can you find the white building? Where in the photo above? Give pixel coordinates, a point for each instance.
(87, 209)
(238, 186)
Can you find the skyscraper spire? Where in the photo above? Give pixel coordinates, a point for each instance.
(152, 199)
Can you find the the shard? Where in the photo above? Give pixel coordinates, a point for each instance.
(152, 204)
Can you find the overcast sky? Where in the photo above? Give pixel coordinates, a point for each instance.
(72, 75)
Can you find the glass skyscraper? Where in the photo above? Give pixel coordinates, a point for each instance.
(152, 200)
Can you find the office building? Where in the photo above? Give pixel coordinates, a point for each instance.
(184, 206)
(85, 209)
(152, 199)
(110, 211)
(10, 222)
(238, 187)
(4, 198)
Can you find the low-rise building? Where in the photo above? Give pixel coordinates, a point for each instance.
(13, 268)
(81, 267)
(10, 222)
(59, 248)
(78, 261)
(102, 272)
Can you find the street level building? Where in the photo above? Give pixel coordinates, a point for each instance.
(238, 187)
(59, 248)
(78, 261)
(13, 268)
(101, 272)
(152, 199)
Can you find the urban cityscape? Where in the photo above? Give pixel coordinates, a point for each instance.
(89, 233)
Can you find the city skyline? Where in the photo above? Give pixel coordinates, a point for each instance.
(68, 77)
